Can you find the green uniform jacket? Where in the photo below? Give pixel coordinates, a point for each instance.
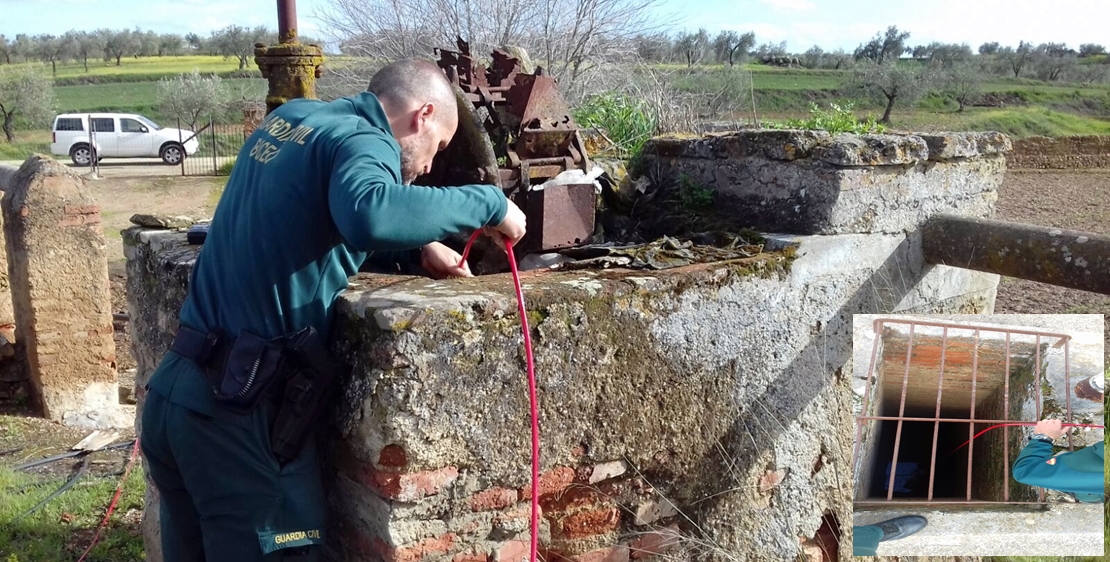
(315, 189)
(1079, 472)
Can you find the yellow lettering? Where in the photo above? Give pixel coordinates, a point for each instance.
(314, 534)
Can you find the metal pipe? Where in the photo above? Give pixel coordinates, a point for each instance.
(1067, 258)
(287, 21)
(1067, 390)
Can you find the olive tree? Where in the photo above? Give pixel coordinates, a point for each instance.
(190, 96)
(26, 96)
(964, 82)
(889, 82)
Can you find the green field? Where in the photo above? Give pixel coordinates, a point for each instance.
(136, 97)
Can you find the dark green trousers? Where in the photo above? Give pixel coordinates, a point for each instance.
(865, 540)
(224, 497)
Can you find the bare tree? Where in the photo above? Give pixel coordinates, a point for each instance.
(890, 82)
(27, 95)
(568, 37)
(190, 96)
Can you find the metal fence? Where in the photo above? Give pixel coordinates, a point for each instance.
(934, 397)
(218, 144)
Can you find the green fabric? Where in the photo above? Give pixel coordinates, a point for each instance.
(866, 539)
(1078, 472)
(224, 497)
(314, 190)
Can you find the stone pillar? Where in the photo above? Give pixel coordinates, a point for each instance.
(59, 283)
(13, 375)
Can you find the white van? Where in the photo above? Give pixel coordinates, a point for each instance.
(119, 135)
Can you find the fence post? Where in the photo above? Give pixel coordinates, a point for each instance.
(212, 127)
(181, 142)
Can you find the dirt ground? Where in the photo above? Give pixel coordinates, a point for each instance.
(1073, 199)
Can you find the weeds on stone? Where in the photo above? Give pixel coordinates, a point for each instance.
(837, 119)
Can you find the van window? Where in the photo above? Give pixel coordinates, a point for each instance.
(130, 125)
(103, 125)
(69, 124)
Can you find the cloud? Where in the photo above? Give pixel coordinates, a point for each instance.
(790, 5)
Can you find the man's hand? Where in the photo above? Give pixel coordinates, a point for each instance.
(512, 227)
(1051, 428)
(441, 262)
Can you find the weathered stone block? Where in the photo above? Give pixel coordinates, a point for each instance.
(59, 285)
(809, 182)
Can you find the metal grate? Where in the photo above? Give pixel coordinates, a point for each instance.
(952, 420)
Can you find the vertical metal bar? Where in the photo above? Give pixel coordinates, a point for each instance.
(971, 424)
(878, 326)
(901, 412)
(1006, 429)
(215, 166)
(1067, 388)
(936, 424)
(1037, 377)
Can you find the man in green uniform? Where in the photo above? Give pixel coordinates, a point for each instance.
(1077, 473)
(315, 190)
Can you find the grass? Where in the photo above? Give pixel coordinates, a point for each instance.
(63, 528)
(145, 67)
(1029, 121)
(136, 97)
(26, 143)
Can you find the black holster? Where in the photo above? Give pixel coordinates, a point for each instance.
(243, 370)
(308, 385)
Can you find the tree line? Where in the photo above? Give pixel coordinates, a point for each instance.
(1046, 61)
(112, 45)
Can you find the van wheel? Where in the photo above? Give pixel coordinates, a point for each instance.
(172, 153)
(81, 154)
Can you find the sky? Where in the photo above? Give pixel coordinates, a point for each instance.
(830, 24)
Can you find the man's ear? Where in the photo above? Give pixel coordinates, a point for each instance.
(424, 115)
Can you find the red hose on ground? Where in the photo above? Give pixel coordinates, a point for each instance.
(1019, 424)
(531, 391)
(112, 505)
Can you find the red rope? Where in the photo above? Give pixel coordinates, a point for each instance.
(531, 390)
(1019, 424)
(112, 505)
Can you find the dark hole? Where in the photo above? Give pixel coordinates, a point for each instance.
(912, 471)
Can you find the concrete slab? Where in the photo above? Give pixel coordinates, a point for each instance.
(1064, 530)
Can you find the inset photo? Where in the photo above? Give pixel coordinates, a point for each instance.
(979, 435)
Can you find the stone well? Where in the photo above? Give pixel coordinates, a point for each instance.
(699, 410)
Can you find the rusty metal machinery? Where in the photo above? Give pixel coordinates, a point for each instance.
(516, 132)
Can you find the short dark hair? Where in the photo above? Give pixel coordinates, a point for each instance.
(409, 80)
